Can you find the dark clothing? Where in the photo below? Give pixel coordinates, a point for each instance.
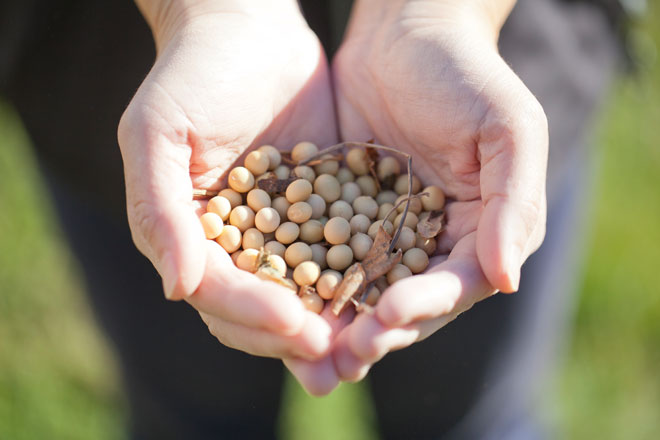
(71, 67)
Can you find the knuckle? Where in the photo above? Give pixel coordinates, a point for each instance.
(143, 224)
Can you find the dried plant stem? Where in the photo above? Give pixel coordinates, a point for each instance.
(204, 193)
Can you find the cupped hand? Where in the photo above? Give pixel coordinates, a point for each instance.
(226, 79)
(426, 78)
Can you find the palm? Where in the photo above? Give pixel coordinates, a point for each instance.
(275, 90)
(446, 97)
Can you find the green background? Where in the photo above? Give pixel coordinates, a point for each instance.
(58, 379)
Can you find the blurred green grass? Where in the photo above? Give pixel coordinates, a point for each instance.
(57, 375)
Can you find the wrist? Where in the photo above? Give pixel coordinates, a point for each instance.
(167, 17)
(483, 19)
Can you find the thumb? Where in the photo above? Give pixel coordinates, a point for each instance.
(513, 144)
(161, 215)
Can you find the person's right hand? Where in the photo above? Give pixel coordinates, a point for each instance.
(228, 76)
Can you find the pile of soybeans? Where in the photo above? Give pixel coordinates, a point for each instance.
(303, 218)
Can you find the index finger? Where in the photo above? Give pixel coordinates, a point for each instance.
(239, 297)
(448, 288)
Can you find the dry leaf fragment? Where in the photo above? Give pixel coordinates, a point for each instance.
(376, 263)
(265, 271)
(431, 223)
(273, 185)
(353, 284)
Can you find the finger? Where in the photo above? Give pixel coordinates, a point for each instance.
(161, 214)
(318, 378)
(513, 145)
(359, 347)
(239, 297)
(462, 219)
(450, 287)
(349, 366)
(312, 342)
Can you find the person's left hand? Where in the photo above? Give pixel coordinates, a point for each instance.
(426, 78)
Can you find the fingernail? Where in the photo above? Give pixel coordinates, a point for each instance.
(513, 265)
(169, 275)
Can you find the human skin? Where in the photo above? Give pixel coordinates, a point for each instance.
(229, 76)
(426, 77)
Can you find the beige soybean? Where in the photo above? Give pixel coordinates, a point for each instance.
(328, 187)
(296, 253)
(221, 206)
(303, 151)
(282, 172)
(319, 253)
(257, 199)
(230, 238)
(275, 248)
(318, 205)
(298, 191)
(241, 180)
(281, 205)
(235, 255)
(381, 283)
(339, 257)
(257, 162)
(299, 212)
(242, 217)
(311, 231)
(435, 199)
(235, 199)
(312, 302)
(306, 273)
(304, 172)
(360, 223)
(341, 208)
(397, 273)
(328, 166)
(411, 220)
(414, 206)
(350, 191)
(327, 283)
(428, 245)
(357, 161)
(386, 196)
(248, 260)
(337, 230)
(287, 233)
(416, 260)
(373, 229)
(267, 220)
(406, 239)
(345, 175)
(360, 244)
(212, 224)
(367, 185)
(253, 239)
(387, 167)
(401, 184)
(383, 210)
(277, 263)
(367, 206)
(373, 295)
(274, 156)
